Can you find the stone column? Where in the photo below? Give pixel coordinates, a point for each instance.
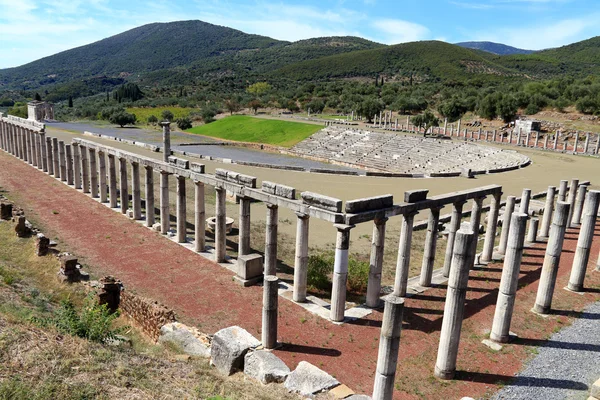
(165, 223)
(579, 201)
(537, 139)
(445, 126)
(525, 200)
(44, 161)
(49, 156)
(77, 165)
(576, 145)
(244, 225)
(597, 148)
(528, 137)
(136, 198)
(149, 195)
(430, 246)
(69, 157)
(548, 210)
(28, 146)
(475, 222)
(38, 150)
(376, 262)
(271, 240)
(555, 144)
(199, 217)
(572, 197)
(389, 344)
(181, 210)
(34, 148)
(56, 158)
(490, 234)
(93, 173)
(403, 262)
(85, 169)
(123, 187)
(545, 141)
(510, 136)
(494, 136)
(445, 366)
(102, 168)
(508, 211)
(269, 312)
(562, 190)
(587, 143)
(543, 300)
(340, 272)
(166, 126)
(112, 181)
(510, 279)
(301, 262)
(584, 242)
(457, 209)
(533, 230)
(220, 225)
(63, 161)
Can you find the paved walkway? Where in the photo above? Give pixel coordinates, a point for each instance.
(203, 293)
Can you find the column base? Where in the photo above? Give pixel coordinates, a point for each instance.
(446, 375)
(540, 310)
(247, 282)
(575, 288)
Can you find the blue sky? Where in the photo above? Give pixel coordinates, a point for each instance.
(31, 29)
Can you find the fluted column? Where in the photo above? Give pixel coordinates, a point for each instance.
(492, 225)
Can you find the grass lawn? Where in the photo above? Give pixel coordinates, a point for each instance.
(142, 113)
(243, 128)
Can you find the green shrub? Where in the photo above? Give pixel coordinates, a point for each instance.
(358, 275)
(320, 266)
(184, 123)
(152, 120)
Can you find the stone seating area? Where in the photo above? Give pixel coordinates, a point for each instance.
(404, 154)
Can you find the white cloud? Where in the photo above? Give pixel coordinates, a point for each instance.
(393, 31)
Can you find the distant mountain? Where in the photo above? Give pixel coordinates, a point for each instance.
(494, 48)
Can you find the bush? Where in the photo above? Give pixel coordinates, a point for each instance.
(167, 115)
(152, 120)
(320, 266)
(358, 275)
(184, 123)
(122, 118)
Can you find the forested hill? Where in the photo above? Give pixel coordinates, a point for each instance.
(494, 48)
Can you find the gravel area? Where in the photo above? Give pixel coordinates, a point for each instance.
(565, 367)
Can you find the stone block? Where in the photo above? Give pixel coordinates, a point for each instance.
(413, 196)
(157, 227)
(188, 339)
(42, 244)
(21, 227)
(221, 173)
(308, 380)
(250, 266)
(595, 392)
(197, 167)
(172, 160)
(265, 367)
(6, 210)
(269, 187)
(341, 392)
(370, 203)
(181, 163)
(229, 346)
(285, 191)
(247, 180)
(359, 397)
(321, 201)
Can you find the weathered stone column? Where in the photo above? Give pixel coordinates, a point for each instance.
(579, 201)
(576, 145)
(545, 141)
(34, 147)
(102, 168)
(533, 230)
(165, 223)
(389, 345)
(571, 200)
(587, 143)
(39, 151)
(23, 143)
(555, 144)
(597, 148)
(93, 172)
(112, 181)
(269, 312)
(340, 272)
(584, 242)
(548, 210)
(543, 300)
(403, 262)
(166, 126)
(457, 209)
(510, 136)
(510, 279)
(149, 194)
(69, 158)
(494, 136)
(525, 200)
(490, 233)
(475, 222)
(562, 190)
(28, 146)
(445, 366)
(199, 217)
(123, 187)
(56, 158)
(376, 262)
(271, 240)
(49, 156)
(44, 161)
(85, 169)
(181, 210)
(537, 139)
(220, 228)
(301, 262)
(77, 165)
(429, 248)
(244, 225)
(527, 139)
(63, 161)
(136, 191)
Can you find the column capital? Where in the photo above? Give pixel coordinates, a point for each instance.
(380, 221)
(302, 215)
(164, 172)
(271, 206)
(343, 227)
(459, 203)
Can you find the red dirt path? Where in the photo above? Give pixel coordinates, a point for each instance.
(203, 293)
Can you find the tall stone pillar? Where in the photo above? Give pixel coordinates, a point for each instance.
(597, 148)
(543, 300)
(340, 272)
(220, 228)
(49, 156)
(537, 140)
(56, 158)
(403, 262)
(123, 186)
(112, 181)
(587, 143)
(584, 242)
(562, 190)
(429, 248)
(510, 279)
(29, 146)
(136, 191)
(576, 145)
(525, 200)
(63, 161)
(457, 209)
(445, 366)
(43, 159)
(301, 262)
(579, 201)
(93, 173)
(181, 210)
(510, 136)
(269, 314)
(77, 165)
(85, 169)
(244, 224)
(572, 197)
(548, 210)
(494, 136)
(199, 217)
(376, 262)
(166, 127)
(102, 168)
(555, 144)
(475, 222)
(149, 195)
(271, 240)
(527, 139)
(165, 223)
(546, 141)
(490, 233)
(508, 211)
(69, 159)
(39, 151)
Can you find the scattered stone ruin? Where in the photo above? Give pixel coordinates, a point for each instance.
(40, 111)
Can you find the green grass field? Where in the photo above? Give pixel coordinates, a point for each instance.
(243, 128)
(142, 113)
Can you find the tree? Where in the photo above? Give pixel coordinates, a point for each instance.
(70, 101)
(507, 108)
(122, 118)
(167, 115)
(259, 88)
(487, 107)
(452, 109)
(184, 123)
(292, 106)
(370, 107)
(315, 106)
(152, 120)
(232, 105)
(38, 97)
(425, 120)
(208, 115)
(255, 105)
(128, 91)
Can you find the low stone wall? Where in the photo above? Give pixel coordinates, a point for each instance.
(147, 314)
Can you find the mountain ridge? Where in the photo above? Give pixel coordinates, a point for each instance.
(494, 48)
